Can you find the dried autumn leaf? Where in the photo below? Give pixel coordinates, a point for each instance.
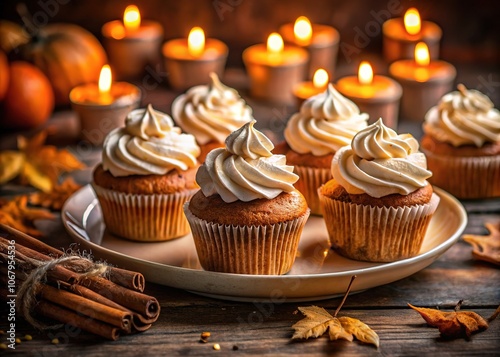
(453, 324)
(486, 248)
(317, 321)
(15, 213)
(360, 330)
(55, 199)
(44, 163)
(11, 163)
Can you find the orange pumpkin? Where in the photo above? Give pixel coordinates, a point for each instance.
(68, 55)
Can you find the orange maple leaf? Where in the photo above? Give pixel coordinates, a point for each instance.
(453, 324)
(486, 248)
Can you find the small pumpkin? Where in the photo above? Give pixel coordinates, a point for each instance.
(68, 55)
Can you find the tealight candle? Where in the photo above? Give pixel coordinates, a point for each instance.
(377, 95)
(103, 106)
(274, 69)
(321, 42)
(423, 81)
(190, 61)
(304, 90)
(402, 34)
(132, 44)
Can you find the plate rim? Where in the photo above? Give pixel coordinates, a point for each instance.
(430, 255)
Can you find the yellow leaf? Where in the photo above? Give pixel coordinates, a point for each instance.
(36, 178)
(314, 325)
(11, 164)
(337, 331)
(360, 330)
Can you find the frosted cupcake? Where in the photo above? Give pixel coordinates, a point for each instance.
(210, 113)
(248, 217)
(148, 172)
(378, 205)
(462, 144)
(326, 122)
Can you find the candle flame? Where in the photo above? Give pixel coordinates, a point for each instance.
(412, 21)
(422, 54)
(105, 79)
(132, 18)
(320, 78)
(275, 43)
(302, 30)
(196, 41)
(365, 73)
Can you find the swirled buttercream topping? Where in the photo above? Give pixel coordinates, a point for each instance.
(211, 112)
(326, 122)
(380, 162)
(148, 144)
(245, 169)
(464, 117)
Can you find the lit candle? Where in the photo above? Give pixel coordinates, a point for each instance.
(424, 81)
(189, 61)
(132, 44)
(402, 34)
(320, 41)
(274, 69)
(304, 90)
(376, 95)
(102, 106)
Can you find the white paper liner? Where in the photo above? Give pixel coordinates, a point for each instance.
(266, 249)
(310, 179)
(466, 177)
(377, 234)
(145, 218)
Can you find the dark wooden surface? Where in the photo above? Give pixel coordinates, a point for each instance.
(265, 328)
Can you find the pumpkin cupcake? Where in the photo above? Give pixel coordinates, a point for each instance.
(326, 122)
(148, 171)
(462, 144)
(378, 205)
(210, 113)
(247, 217)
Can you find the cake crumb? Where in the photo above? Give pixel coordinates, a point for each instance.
(216, 347)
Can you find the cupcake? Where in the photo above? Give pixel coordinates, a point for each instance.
(247, 217)
(462, 144)
(326, 122)
(379, 203)
(148, 172)
(210, 113)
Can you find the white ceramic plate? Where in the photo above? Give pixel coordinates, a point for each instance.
(318, 272)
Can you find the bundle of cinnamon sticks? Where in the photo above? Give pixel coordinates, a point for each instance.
(107, 305)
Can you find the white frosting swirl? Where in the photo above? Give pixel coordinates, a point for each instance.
(326, 122)
(246, 169)
(211, 112)
(148, 144)
(464, 117)
(380, 162)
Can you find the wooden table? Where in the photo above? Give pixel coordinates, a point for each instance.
(265, 328)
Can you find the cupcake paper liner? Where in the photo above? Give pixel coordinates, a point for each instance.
(266, 249)
(145, 218)
(377, 234)
(466, 177)
(310, 180)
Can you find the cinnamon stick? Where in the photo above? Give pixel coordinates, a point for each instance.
(61, 314)
(135, 301)
(119, 318)
(125, 278)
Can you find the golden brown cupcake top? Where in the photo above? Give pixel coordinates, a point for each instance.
(326, 122)
(245, 169)
(464, 117)
(149, 144)
(379, 162)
